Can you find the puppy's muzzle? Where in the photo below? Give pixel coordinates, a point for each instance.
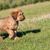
(23, 18)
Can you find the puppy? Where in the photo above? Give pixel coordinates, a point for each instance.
(10, 23)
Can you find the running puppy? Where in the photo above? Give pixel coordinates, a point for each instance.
(10, 23)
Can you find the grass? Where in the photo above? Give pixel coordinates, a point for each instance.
(35, 35)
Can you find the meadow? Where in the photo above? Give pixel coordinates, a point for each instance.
(32, 35)
(6, 4)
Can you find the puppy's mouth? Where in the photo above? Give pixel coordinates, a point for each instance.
(22, 19)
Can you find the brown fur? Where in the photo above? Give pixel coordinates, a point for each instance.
(10, 23)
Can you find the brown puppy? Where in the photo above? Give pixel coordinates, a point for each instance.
(10, 23)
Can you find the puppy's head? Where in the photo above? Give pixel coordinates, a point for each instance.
(18, 15)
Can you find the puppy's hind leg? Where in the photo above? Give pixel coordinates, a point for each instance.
(11, 34)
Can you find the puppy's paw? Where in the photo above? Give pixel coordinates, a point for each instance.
(16, 38)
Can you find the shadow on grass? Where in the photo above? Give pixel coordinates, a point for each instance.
(20, 34)
(4, 35)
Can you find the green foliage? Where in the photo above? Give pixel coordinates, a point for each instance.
(5, 4)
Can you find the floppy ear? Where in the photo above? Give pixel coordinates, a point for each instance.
(14, 14)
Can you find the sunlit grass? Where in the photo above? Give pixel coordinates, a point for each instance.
(35, 35)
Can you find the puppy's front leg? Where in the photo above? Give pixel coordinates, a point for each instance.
(16, 35)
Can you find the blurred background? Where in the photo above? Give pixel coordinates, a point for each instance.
(6, 4)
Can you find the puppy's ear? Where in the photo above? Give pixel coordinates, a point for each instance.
(14, 14)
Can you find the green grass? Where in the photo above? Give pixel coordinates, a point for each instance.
(6, 4)
(32, 10)
(39, 40)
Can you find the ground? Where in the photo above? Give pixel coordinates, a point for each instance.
(34, 31)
